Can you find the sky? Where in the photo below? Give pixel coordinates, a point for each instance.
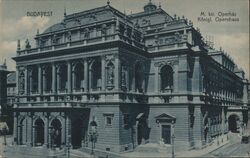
(233, 37)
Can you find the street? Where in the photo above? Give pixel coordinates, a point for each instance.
(233, 149)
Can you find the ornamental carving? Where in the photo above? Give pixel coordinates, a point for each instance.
(162, 63)
(110, 58)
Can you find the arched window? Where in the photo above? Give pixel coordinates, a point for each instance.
(166, 77)
(47, 78)
(139, 77)
(96, 75)
(62, 74)
(22, 130)
(78, 76)
(56, 132)
(39, 132)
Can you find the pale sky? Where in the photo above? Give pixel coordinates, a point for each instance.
(233, 37)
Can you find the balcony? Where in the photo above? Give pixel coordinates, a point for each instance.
(34, 92)
(48, 91)
(62, 91)
(78, 90)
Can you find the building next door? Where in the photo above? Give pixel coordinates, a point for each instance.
(166, 133)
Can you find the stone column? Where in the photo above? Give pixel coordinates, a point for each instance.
(69, 76)
(18, 135)
(73, 79)
(32, 141)
(17, 80)
(33, 135)
(86, 76)
(30, 80)
(68, 129)
(117, 73)
(53, 78)
(39, 79)
(26, 81)
(57, 79)
(103, 73)
(44, 80)
(15, 130)
(46, 127)
(133, 78)
(156, 79)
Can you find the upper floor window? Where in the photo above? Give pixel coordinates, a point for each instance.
(166, 77)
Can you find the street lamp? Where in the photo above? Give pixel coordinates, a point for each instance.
(173, 140)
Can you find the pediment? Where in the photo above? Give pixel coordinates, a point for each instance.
(165, 118)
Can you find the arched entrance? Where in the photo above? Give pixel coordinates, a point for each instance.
(56, 133)
(233, 123)
(77, 135)
(39, 132)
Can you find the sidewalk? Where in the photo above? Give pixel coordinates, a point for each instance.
(204, 151)
(192, 153)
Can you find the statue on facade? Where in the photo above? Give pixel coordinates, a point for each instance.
(123, 78)
(69, 36)
(27, 44)
(110, 76)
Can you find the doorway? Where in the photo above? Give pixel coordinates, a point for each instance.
(166, 134)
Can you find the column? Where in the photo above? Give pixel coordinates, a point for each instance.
(44, 80)
(26, 81)
(30, 80)
(53, 78)
(103, 73)
(69, 76)
(32, 141)
(73, 79)
(68, 130)
(17, 80)
(133, 78)
(18, 135)
(15, 130)
(39, 79)
(117, 74)
(156, 79)
(46, 127)
(86, 76)
(57, 79)
(33, 135)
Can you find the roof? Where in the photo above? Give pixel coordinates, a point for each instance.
(154, 17)
(11, 78)
(86, 17)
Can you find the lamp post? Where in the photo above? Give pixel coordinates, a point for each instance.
(173, 136)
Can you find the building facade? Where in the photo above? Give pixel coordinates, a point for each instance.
(130, 79)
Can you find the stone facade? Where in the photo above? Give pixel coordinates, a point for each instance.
(143, 78)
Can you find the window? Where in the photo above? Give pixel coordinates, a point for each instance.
(108, 119)
(166, 77)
